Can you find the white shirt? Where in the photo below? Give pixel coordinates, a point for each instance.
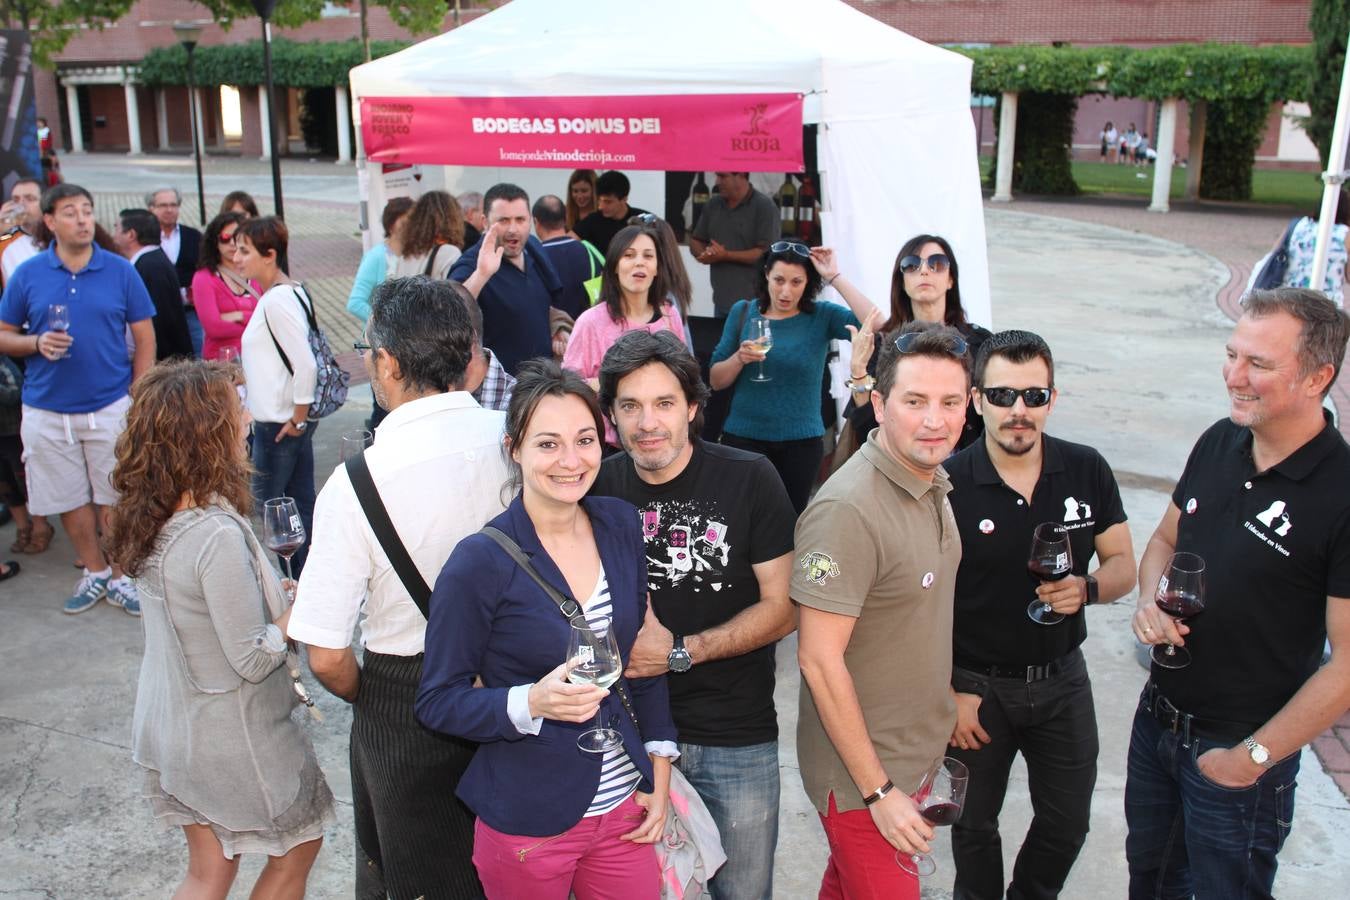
(19, 250)
(171, 243)
(438, 465)
(273, 393)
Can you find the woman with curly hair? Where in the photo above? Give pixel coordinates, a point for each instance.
(431, 237)
(223, 758)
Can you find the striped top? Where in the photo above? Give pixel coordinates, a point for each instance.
(619, 777)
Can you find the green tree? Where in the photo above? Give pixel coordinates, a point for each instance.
(54, 22)
(418, 16)
(1329, 23)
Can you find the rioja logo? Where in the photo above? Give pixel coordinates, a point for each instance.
(755, 139)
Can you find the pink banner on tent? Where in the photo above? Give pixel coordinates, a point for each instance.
(702, 132)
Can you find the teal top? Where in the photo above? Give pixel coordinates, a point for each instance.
(788, 407)
(373, 269)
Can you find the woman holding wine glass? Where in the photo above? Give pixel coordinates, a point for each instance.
(560, 807)
(775, 409)
(223, 297)
(222, 757)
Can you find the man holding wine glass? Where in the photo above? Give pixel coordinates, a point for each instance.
(75, 392)
(1262, 503)
(877, 553)
(1018, 672)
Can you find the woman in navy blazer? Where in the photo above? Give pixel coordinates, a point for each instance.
(552, 819)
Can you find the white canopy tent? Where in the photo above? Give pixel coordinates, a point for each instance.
(896, 140)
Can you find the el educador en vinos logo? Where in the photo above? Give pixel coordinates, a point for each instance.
(754, 139)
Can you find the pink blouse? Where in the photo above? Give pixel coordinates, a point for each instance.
(595, 332)
(212, 295)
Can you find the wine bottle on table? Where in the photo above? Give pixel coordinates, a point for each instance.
(787, 206)
(699, 199)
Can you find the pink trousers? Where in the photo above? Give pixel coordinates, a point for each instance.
(587, 859)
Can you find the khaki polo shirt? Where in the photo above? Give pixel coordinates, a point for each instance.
(880, 544)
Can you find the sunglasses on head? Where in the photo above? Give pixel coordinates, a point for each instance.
(796, 247)
(644, 219)
(953, 344)
(226, 238)
(938, 262)
(1006, 396)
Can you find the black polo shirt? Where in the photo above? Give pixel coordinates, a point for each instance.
(993, 586)
(1276, 544)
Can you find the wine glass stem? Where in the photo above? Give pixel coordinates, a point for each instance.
(761, 369)
(290, 590)
(1171, 650)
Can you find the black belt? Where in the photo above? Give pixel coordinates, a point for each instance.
(1181, 722)
(1027, 674)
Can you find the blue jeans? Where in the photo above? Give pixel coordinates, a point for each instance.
(739, 785)
(195, 332)
(285, 470)
(1190, 837)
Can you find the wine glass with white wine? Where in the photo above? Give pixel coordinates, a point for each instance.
(593, 658)
(761, 335)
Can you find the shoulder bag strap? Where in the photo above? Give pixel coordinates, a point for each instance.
(597, 258)
(378, 517)
(570, 609)
(285, 360)
(306, 304)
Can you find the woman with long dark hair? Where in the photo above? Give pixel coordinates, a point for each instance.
(588, 826)
(778, 415)
(223, 759)
(223, 297)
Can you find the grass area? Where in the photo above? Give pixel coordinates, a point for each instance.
(1278, 187)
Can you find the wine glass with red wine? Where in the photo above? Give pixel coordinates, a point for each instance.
(1051, 559)
(283, 531)
(1181, 594)
(940, 796)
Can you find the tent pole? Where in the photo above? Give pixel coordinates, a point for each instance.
(1332, 178)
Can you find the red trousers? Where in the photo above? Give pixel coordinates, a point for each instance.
(862, 863)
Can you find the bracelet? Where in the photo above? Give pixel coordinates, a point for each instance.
(833, 277)
(37, 343)
(879, 793)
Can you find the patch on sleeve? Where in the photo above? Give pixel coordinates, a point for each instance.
(819, 566)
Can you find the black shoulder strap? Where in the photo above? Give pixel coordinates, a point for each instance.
(431, 260)
(566, 605)
(285, 360)
(392, 544)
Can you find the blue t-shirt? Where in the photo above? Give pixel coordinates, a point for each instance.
(103, 298)
(515, 304)
(788, 407)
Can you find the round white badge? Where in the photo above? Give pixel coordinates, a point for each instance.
(986, 526)
(927, 580)
(1191, 506)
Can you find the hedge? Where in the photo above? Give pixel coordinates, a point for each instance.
(309, 65)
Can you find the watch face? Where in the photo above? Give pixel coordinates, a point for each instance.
(679, 661)
(1260, 755)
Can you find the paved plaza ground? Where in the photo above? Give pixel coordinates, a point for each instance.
(1137, 308)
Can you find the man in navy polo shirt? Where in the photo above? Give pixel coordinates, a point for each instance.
(1021, 683)
(75, 390)
(1209, 796)
(515, 298)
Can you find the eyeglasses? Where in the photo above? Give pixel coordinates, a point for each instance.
(938, 262)
(1006, 396)
(791, 247)
(644, 219)
(226, 238)
(953, 344)
(361, 346)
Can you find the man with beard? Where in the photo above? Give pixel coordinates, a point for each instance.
(1020, 680)
(717, 524)
(437, 469)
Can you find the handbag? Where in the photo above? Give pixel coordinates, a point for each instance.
(1276, 266)
(690, 850)
(392, 545)
(330, 386)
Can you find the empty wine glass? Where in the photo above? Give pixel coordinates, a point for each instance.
(940, 796)
(58, 319)
(1180, 594)
(354, 443)
(762, 337)
(283, 530)
(1051, 559)
(228, 354)
(593, 658)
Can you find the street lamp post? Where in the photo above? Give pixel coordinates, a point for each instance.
(264, 8)
(189, 34)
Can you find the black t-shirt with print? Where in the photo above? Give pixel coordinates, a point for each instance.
(704, 530)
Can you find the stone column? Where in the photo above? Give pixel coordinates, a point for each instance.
(265, 120)
(1196, 161)
(196, 98)
(73, 118)
(133, 120)
(162, 118)
(1007, 135)
(344, 124)
(1162, 168)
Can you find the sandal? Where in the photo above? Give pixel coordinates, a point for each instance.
(38, 542)
(8, 569)
(22, 538)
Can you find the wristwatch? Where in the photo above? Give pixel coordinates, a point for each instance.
(866, 383)
(1091, 588)
(679, 659)
(1259, 754)
(301, 425)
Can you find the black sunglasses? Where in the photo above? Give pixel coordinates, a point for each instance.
(644, 219)
(1006, 396)
(361, 346)
(791, 247)
(938, 262)
(954, 344)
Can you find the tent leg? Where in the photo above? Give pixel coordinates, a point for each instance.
(1332, 178)
(1007, 133)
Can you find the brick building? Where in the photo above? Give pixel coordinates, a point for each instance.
(96, 75)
